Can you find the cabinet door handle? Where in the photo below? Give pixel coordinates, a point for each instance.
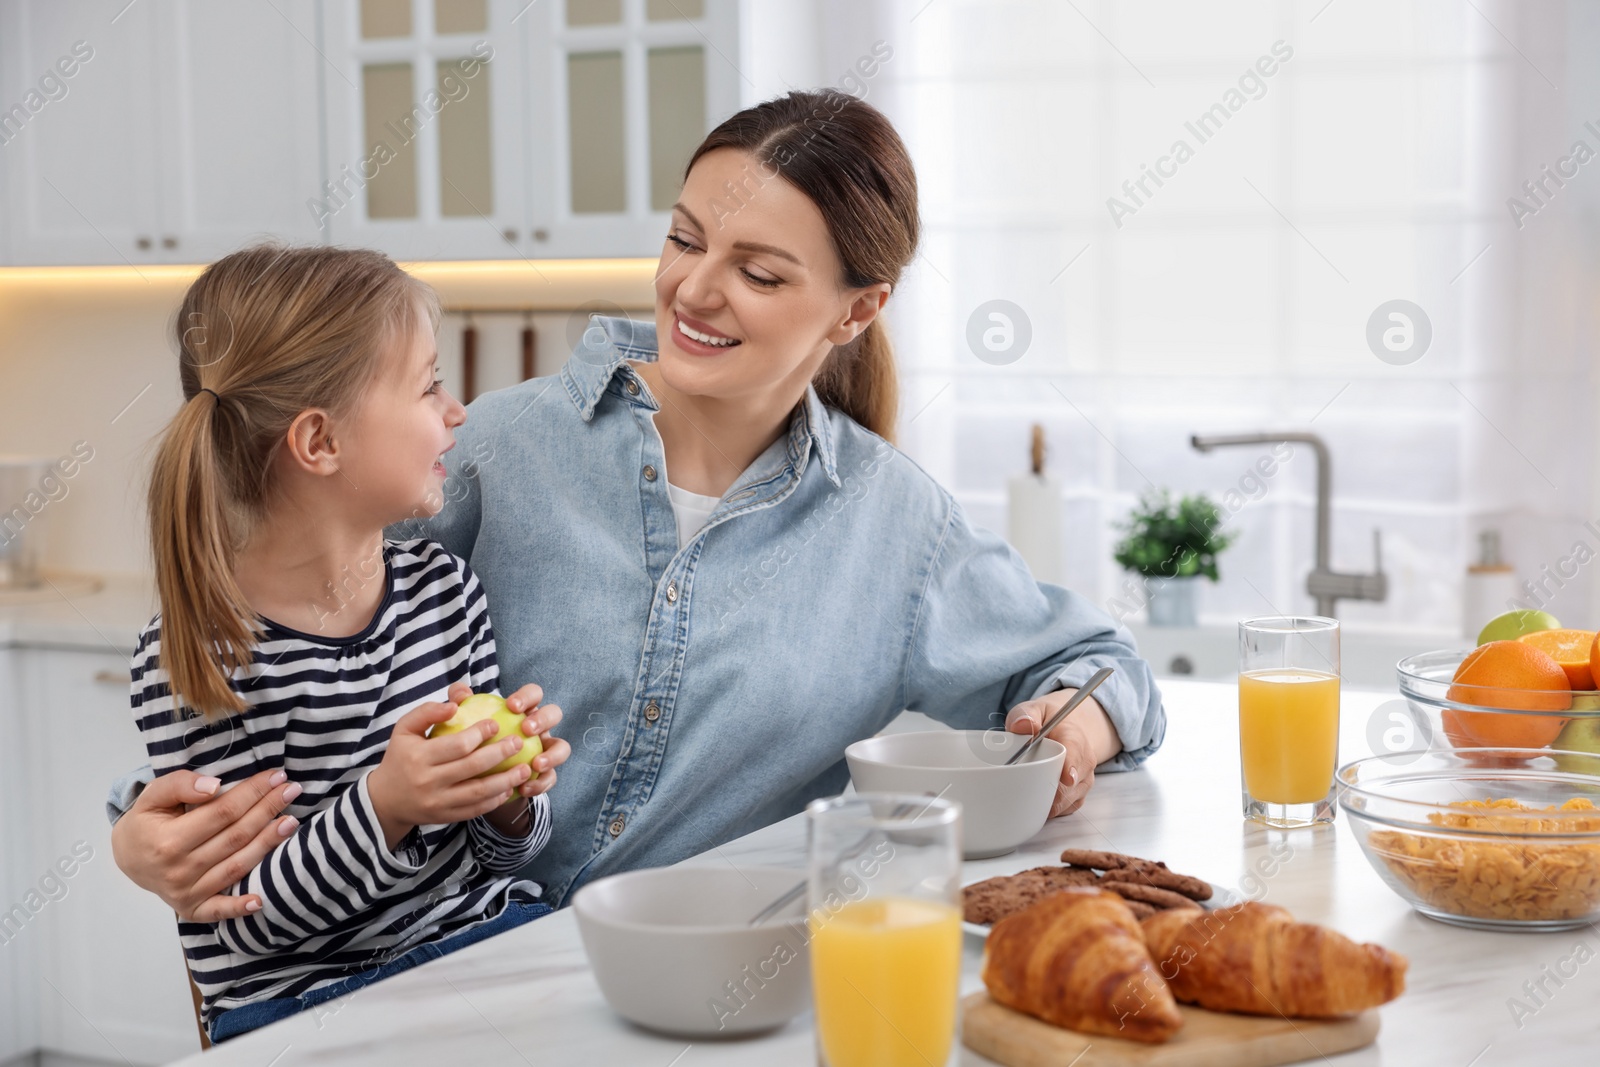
(108, 677)
(142, 243)
(510, 235)
(169, 242)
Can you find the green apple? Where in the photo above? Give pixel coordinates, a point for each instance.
(1579, 735)
(482, 706)
(1513, 624)
(1585, 700)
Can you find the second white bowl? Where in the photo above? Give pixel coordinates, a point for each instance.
(671, 949)
(1001, 806)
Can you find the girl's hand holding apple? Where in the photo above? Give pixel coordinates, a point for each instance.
(455, 775)
(429, 781)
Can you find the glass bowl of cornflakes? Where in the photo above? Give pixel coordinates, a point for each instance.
(1501, 839)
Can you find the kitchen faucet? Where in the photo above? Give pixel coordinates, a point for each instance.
(1323, 583)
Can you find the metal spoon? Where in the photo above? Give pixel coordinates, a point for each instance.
(1066, 709)
(798, 890)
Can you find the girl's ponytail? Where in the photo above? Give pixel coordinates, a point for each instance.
(263, 334)
(207, 627)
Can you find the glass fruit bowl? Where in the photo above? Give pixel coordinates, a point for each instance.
(1449, 714)
(1514, 845)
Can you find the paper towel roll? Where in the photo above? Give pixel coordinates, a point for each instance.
(1489, 591)
(1034, 527)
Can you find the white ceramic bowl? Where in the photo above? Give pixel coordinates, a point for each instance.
(1001, 807)
(672, 952)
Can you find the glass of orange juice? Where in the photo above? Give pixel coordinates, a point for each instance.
(884, 917)
(1288, 718)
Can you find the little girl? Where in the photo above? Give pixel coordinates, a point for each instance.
(293, 636)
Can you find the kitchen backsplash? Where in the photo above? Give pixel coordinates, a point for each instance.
(88, 364)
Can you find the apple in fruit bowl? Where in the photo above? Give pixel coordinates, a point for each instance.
(1510, 625)
(1579, 735)
(481, 706)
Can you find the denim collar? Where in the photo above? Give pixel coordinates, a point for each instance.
(599, 366)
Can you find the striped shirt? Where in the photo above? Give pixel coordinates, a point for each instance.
(335, 899)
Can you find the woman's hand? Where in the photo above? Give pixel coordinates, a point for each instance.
(1087, 735)
(187, 844)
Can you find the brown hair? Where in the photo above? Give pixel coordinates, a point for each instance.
(271, 331)
(844, 155)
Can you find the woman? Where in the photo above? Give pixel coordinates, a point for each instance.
(698, 539)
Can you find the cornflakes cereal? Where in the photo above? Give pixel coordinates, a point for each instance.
(1517, 879)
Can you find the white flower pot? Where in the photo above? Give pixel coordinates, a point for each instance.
(1172, 601)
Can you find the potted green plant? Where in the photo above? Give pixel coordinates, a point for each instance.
(1170, 545)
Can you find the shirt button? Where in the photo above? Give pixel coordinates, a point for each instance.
(652, 711)
(632, 387)
(616, 826)
(649, 473)
(672, 592)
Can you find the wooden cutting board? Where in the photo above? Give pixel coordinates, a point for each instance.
(1208, 1039)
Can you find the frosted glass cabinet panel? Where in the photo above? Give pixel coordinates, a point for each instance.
(595, 117)
(386, 96)
(465, 156)
(677, 100)
(426, 142)
(668, 10)
(460, 16)
(594, 12)
(385, 18)
(632, 86)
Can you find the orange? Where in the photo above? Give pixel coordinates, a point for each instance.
(1512, 675)
(1594, 657)
(1573, 649)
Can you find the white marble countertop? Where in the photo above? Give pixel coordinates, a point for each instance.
(528, 995)
(99, 614)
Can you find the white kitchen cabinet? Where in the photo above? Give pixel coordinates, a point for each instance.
(613, 91)
(173, 131)
(184, 129)
(424, 118)
(19, 1026)
(240, 145)
(111, 982)
(572, 136)
(80, 104)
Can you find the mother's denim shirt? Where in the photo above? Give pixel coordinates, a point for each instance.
(711, 690)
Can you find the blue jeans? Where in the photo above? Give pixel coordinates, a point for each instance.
(250, 1016)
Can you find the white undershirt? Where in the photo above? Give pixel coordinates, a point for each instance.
(692, 511)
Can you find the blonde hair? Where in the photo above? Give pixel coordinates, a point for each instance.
(271, 331)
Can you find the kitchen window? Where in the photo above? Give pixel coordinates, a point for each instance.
(1337, 159)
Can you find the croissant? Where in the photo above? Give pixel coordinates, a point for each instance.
(1254, 958)
(1076, 959)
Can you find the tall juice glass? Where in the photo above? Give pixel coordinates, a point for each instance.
(884, 917)
(1288, 718)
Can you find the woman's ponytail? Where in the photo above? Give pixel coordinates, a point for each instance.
(859, 379)
(207, 628)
